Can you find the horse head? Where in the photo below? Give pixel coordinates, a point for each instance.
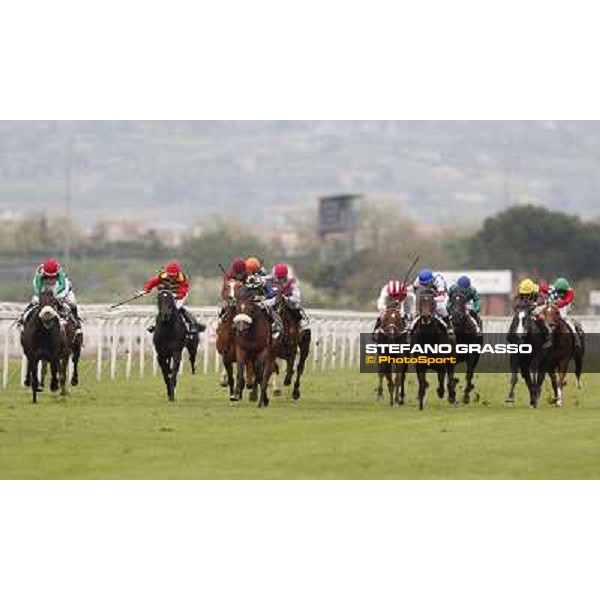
(166, 305)
(392, 322)
(458, 304)
(245, 314)
(48, 308)
(524, 322)
(551, 315)
(426, 306)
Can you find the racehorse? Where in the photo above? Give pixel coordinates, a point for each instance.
(466, 333)
(392, 331)
(428, 330)
(556, 362)
(225, 341)
(44, 339)
(525, 329)
(291, 341)
(252, 345)
(170, 338)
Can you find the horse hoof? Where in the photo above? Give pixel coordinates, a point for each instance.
(235, 399)
(74, 382)
(296, 395)
(287, 382)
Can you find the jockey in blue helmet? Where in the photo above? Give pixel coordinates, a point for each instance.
(474, 300)
(434, 283)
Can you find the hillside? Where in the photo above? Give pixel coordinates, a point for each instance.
(439, 172)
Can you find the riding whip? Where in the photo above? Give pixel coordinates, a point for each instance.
(139, 295)
(410, 270)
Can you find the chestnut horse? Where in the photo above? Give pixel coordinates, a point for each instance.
(392, 331)
(564, 349)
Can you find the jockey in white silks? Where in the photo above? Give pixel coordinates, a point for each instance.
(436, 284)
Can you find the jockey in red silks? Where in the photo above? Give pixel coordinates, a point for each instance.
(394, 293)
(174, 280)
(281, 280)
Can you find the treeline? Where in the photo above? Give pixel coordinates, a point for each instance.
(528, 240)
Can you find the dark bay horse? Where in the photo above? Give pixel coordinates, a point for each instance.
(252, 345)
(392, 331)
(170, 338)
(466, 333)
(525, 329)
(44, 340)
(557, 359)
(429, 330)
(292, 342)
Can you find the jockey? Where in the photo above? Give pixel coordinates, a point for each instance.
(174, 280)
(254, 266)
(528, 296)
(434, 283)
(280, 279)
(51, 274)
(262, 294)
(394, 293)
(474, 304)
(562, 296)
(237, 271)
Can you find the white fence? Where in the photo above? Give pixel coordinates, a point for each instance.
(117, 345)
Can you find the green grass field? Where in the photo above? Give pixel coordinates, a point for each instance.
(127, 430)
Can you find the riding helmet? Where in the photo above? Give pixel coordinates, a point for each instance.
(464, 282)
(50, 268)
(425, 276)
(562, 285)
(526, 287)
(280, 271)
(173, 269)
(253, 265)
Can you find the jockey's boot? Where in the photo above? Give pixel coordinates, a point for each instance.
(191, 326)
(275, 320)
(77, 319)
(477, 322)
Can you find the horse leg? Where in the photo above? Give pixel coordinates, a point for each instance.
(177, 355)
(514, 378)
(75, 358)
(164, 362)
(422, 377)
(578, 357)
(534, 384)
(192, 348)
(290, 362)
(33, 365)
(304, 350)
(402, 375)
(266, 368)
(27, 381)
(381, 376)
(239, 385)
(259, 377)
(62, 364)
(441, 391)
(54, 377)
(276, 386)
(451, 385)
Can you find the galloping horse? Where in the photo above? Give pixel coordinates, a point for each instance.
(526, 330)
(466, 333)
(170, 338)
(429, 330)
(556, 362)
(44, 339)
(290, 342)
(252, 345)
(392, 331)
(225, 341)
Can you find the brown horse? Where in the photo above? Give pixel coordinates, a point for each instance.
(429, 330)
(225, 341)
(292, 341)
(252, 345)
(392, 331)
(564, 349)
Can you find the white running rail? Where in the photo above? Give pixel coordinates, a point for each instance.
(117, 345)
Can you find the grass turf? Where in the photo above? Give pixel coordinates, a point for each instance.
(127, 430)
